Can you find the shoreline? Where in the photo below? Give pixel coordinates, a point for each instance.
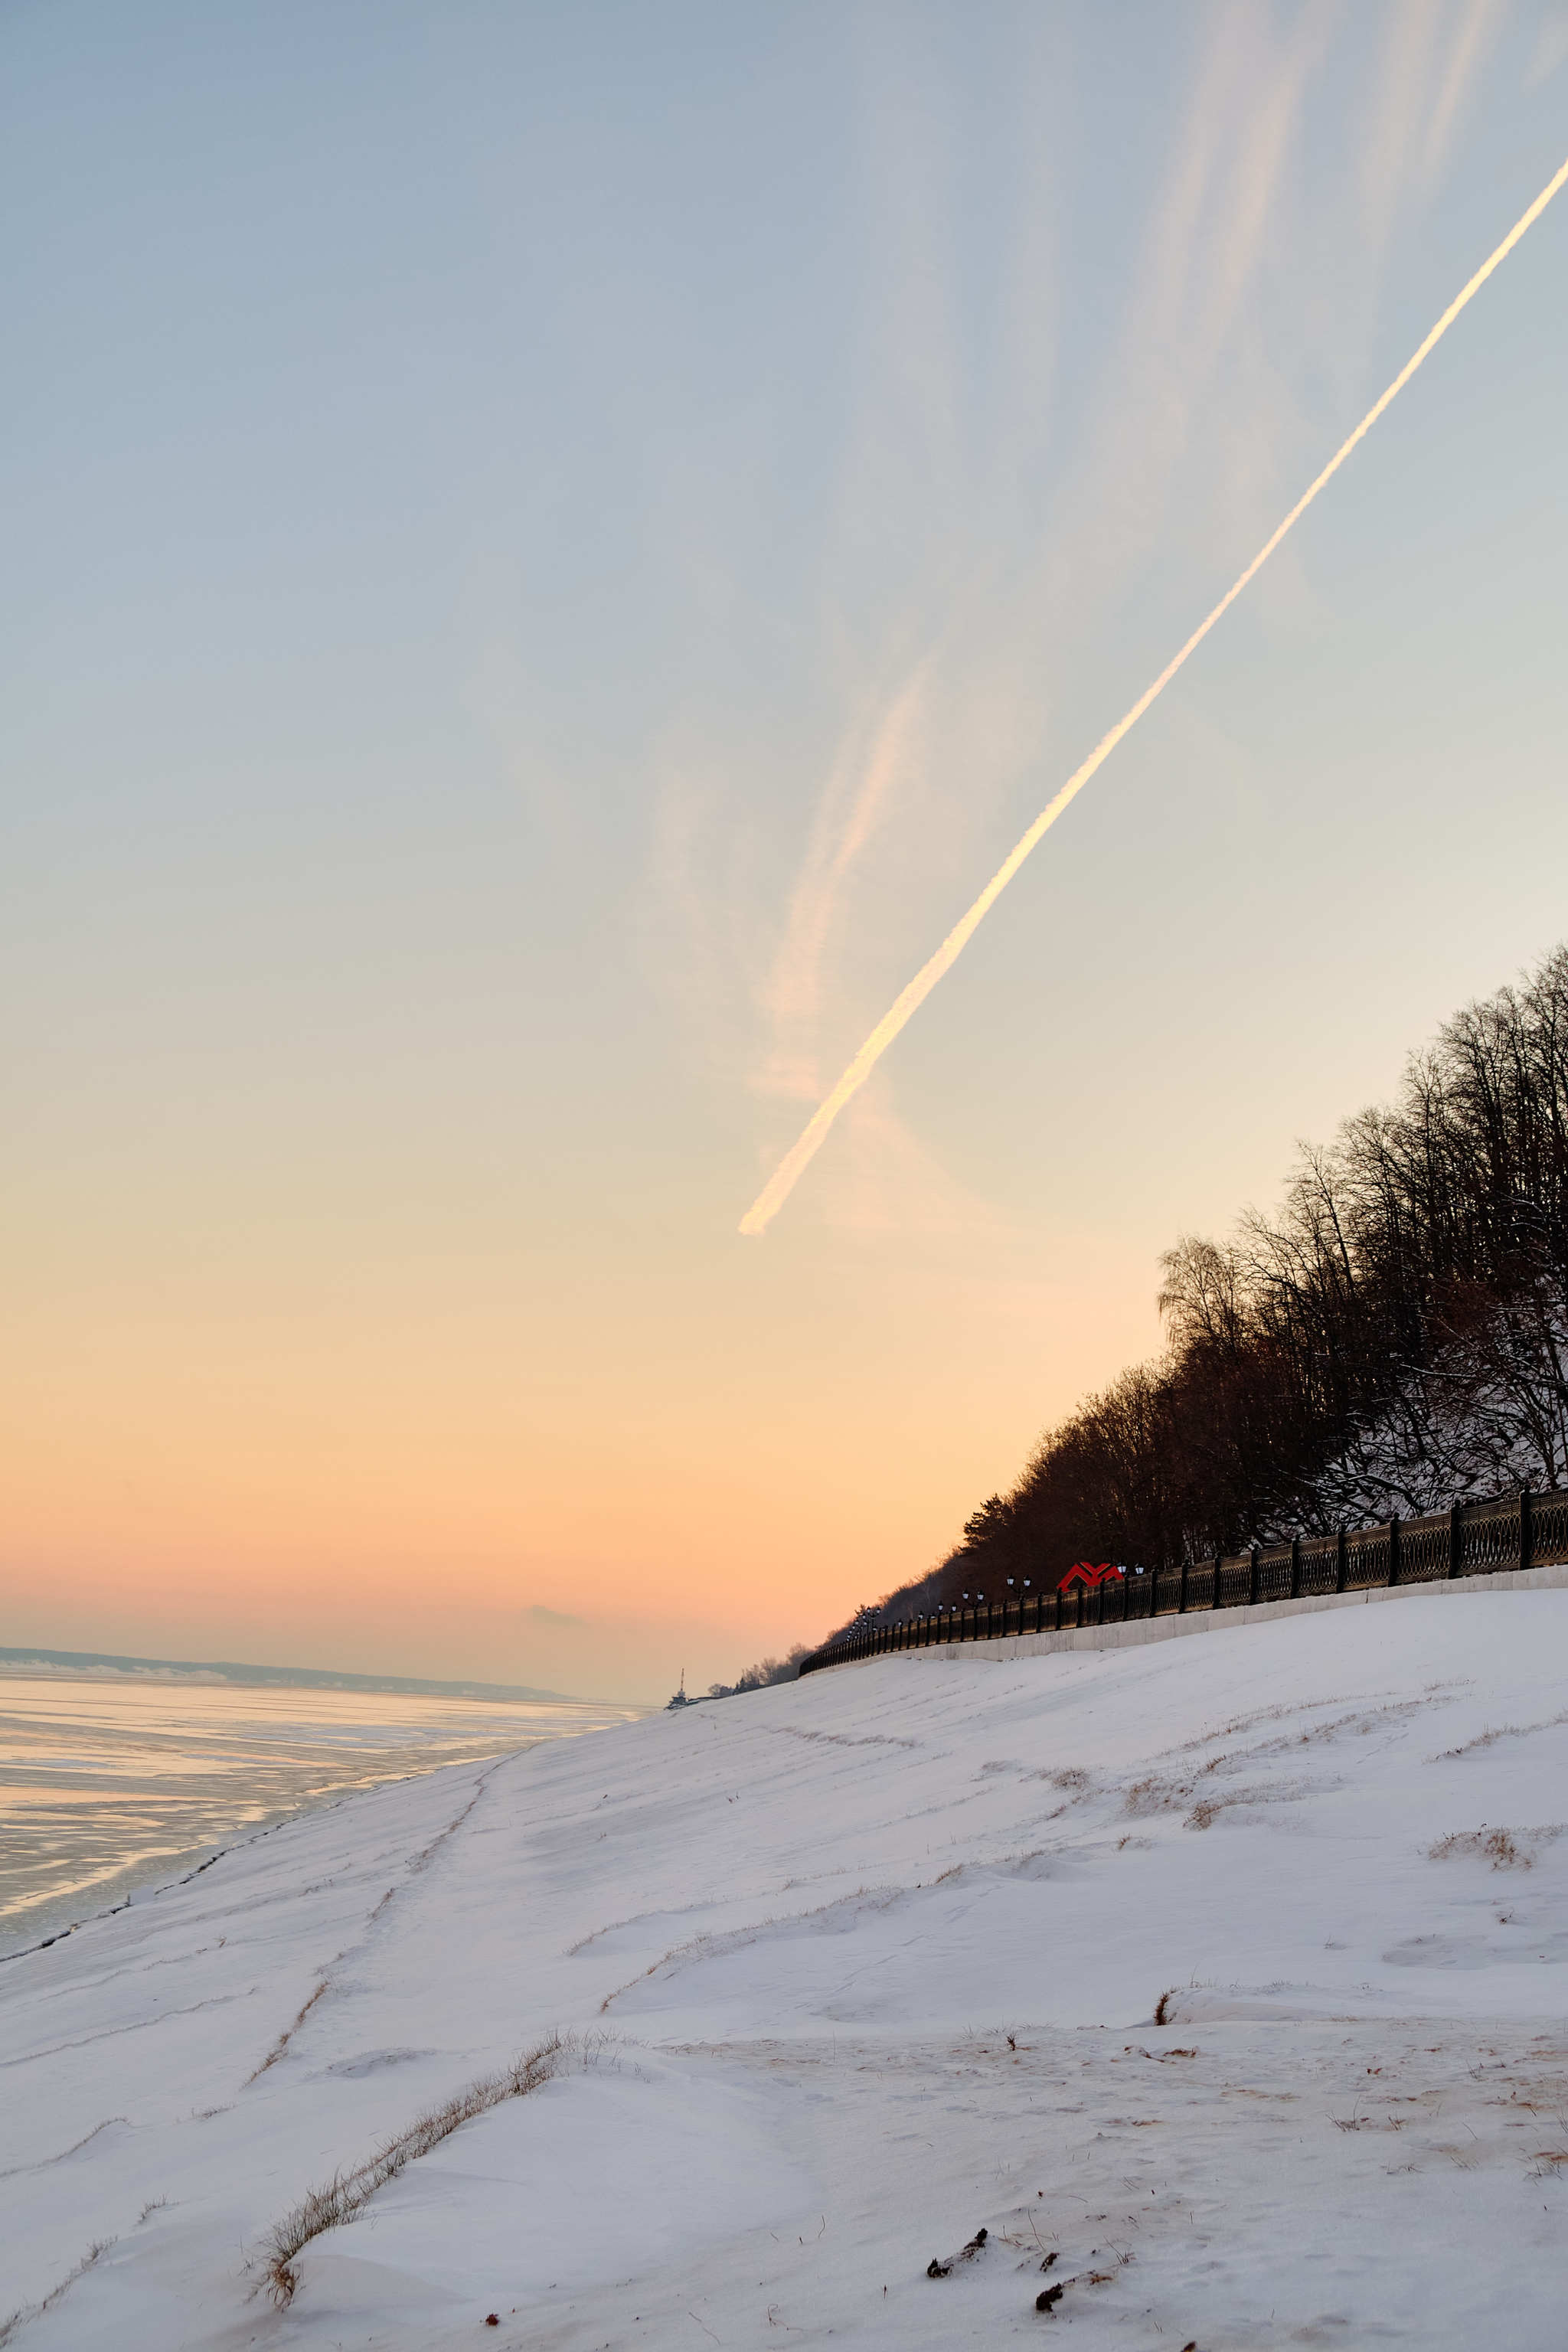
(169, 1873)
(115, 1784)
(38, 1663)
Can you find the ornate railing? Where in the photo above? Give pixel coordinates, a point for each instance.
(1521, 1530)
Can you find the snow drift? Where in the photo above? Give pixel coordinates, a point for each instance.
(1215, 1981)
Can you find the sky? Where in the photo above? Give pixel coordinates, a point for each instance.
(550, 553)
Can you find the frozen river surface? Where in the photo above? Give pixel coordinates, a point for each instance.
(107, 1783)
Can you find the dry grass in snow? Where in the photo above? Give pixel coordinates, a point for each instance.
(348, 2193)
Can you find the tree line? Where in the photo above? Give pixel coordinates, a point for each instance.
(1393, 1336)
(766, 1672)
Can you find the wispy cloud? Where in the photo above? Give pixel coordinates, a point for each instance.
(779, 1186)
(948, 633)
(1551, 50)
(876, 757)
(1479, 26)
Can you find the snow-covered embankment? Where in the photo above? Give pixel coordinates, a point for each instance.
(858, 1967)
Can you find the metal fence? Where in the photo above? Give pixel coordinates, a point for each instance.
(1521, 1530)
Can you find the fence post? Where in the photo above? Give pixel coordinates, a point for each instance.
(1340, 1563)
(1393, 1547)
(1182, 1595)
(1295, 1567)
(1215, 1603)
(1252, 1581)
(1456, 1539)
(1525, 1546)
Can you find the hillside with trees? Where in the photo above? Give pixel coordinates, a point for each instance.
(1392, 1337)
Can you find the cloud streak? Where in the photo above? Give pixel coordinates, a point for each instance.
(839, 838)
(777, 1190)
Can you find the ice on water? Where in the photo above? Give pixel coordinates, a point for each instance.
(106, 1781)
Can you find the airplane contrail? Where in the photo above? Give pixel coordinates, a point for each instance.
(785, 1176)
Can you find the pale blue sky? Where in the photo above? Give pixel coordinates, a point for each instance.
(551, 551)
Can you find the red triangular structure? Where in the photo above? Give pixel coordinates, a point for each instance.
(1084, 1571)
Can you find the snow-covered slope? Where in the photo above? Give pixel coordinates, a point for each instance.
(862, 1966)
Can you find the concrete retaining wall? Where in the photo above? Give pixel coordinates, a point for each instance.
(1224, 1621)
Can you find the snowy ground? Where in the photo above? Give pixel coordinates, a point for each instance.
(865, 1965)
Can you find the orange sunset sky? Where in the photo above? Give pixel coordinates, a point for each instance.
(552, 552)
